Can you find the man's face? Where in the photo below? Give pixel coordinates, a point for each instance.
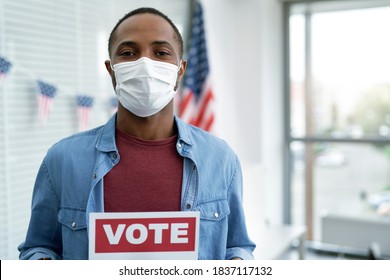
(145, 35)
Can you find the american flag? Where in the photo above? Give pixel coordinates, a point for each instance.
(5, 67)
(196, 98)
(46, 94)
(84, 106)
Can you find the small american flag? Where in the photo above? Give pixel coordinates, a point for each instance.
(5, 67)
(84, 106)
(46, 94)
(196, 98)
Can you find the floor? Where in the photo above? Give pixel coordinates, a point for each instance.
(313, 252)
(316, 255)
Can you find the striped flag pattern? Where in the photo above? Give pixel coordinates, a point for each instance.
(197, 98)
(46, 94)
(5, 67)
(84, 106)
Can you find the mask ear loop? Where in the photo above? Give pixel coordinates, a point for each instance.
(178, 70)
(112, 68)
(180, 63)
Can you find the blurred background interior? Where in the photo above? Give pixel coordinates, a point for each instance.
(302, 94)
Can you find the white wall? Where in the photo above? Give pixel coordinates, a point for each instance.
(245, 50)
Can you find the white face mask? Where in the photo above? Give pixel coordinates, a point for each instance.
(145, 86)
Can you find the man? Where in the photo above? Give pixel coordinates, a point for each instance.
(144, 159)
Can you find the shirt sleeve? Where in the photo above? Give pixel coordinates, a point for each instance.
(238, 242)
(43, 239)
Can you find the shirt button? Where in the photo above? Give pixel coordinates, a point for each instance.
(188, 206)
(114, 155)
(216, 215)
(94, 176)
(179, 145)
(73, 224)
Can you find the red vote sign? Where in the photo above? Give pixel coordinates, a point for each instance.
(148, 235)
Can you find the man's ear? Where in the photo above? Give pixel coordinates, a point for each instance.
(180, 73)
(183, 68)
(107, 63)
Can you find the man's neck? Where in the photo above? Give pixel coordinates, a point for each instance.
(157, 127)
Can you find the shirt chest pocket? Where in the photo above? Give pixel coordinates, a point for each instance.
(72, 219)
(74, 233)
(213, 210)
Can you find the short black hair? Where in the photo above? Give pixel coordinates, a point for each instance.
(147, 10)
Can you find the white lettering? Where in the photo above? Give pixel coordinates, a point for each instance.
(113, 238)
(158, 228)
(178, 229)
(178, 233)
(142, 236)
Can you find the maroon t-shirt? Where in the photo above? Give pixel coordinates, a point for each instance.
(147, 178)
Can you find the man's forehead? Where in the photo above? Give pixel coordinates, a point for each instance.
(145, 25)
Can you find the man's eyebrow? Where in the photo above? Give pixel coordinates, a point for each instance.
(134, 44)
(161, 42)
(127, 43)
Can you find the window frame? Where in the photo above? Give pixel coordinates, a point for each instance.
(308, 8)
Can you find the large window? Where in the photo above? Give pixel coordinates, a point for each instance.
(338, 127)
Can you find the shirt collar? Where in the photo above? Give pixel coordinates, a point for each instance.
(106, 142)
(184, 134)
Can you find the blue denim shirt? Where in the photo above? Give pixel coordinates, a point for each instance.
(70, 182)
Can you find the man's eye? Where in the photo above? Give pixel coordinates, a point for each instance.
(162, 53)
(127, 53)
